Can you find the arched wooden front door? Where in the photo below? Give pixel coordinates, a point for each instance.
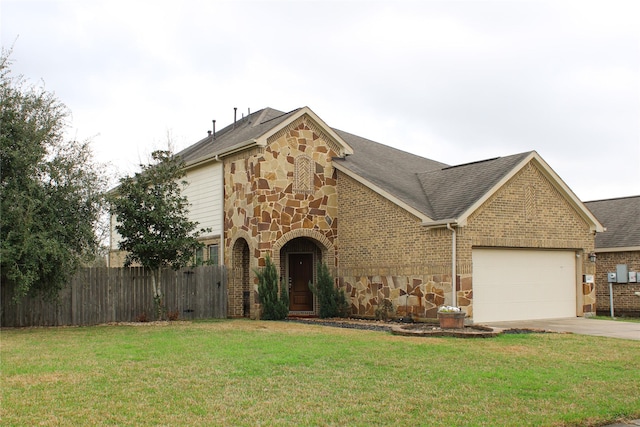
(300, 275)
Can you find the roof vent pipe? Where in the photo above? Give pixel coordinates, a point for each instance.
(249, 114)
(214, 129)
(235, 111)
(209, 132)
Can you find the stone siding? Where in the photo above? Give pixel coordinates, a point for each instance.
(625, 302)
(281, 192)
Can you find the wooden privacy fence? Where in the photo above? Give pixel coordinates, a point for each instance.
(102, 295)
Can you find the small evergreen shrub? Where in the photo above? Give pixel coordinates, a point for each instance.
(273, 307)
(332, 301)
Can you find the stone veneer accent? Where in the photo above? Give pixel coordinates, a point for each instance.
(527, 212)
(278, 193)
(625, 302)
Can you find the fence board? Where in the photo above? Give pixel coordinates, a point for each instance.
(102, 295)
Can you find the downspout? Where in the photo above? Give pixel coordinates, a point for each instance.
(454, 278)
(222, 242)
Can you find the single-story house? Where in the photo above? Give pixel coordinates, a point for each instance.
(503, 238)
(619, 245)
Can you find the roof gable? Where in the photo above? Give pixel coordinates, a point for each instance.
(621, 217)
(254, 129)
(468, 186)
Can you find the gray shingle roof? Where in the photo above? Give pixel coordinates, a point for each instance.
(244, 130)
(433, 188)
(453, 190)
(621, 217)
(393, 170)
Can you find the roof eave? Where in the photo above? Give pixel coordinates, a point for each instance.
(620, 249)
(216, 155)
(451, 222)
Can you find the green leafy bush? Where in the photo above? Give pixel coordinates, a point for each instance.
(332, 301)
(273, 308)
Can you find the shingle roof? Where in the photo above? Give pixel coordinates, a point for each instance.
(451, 191)
(432, 188)
(244, 130)
(393, 170)
(621, 217)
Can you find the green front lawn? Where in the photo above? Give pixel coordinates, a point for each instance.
(236, 372)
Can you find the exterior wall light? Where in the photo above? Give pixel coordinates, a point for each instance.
(592, 257)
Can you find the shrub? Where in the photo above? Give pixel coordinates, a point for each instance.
(332, 301)
(172, 316)
(384, 310)
(273, 308)
(142, 317)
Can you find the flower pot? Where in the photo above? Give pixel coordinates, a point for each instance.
(451, 320)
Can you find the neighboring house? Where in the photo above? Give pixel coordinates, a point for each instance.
(618, 245)
(507, 232)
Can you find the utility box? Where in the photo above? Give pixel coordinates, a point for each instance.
(622, 273)
(611, 277)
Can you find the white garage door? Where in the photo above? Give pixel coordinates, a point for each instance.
(511, 284)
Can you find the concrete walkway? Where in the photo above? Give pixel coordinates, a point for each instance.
(577, 325)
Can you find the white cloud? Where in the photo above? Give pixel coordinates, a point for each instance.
(455, 81)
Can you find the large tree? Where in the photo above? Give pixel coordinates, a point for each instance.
(51, 190)
(153, 219)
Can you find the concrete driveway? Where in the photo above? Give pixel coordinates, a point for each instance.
(577, 325)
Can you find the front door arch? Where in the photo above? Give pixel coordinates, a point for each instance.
(303, 241)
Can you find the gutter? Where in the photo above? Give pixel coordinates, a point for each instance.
(222, 240)
(231, 150)
(441, 223)
(617, 249)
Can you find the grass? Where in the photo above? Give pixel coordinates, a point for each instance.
(618, 318)
(236, 372)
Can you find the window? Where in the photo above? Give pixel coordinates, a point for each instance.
(199, 256)
(213, 255)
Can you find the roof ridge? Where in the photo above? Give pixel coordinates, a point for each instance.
(612, 199)
(471, 163)
(278, 116)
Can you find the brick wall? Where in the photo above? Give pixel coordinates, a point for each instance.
(385, 253)
(625, 302)
(529, 212)
(382, 246)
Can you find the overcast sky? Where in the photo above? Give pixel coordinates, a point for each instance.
(454, 81)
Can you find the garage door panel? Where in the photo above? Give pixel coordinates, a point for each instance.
(523, 284)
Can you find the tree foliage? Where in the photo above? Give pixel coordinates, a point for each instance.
(52, 190)
(332, 301)
(273, 307)
(153, 218)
